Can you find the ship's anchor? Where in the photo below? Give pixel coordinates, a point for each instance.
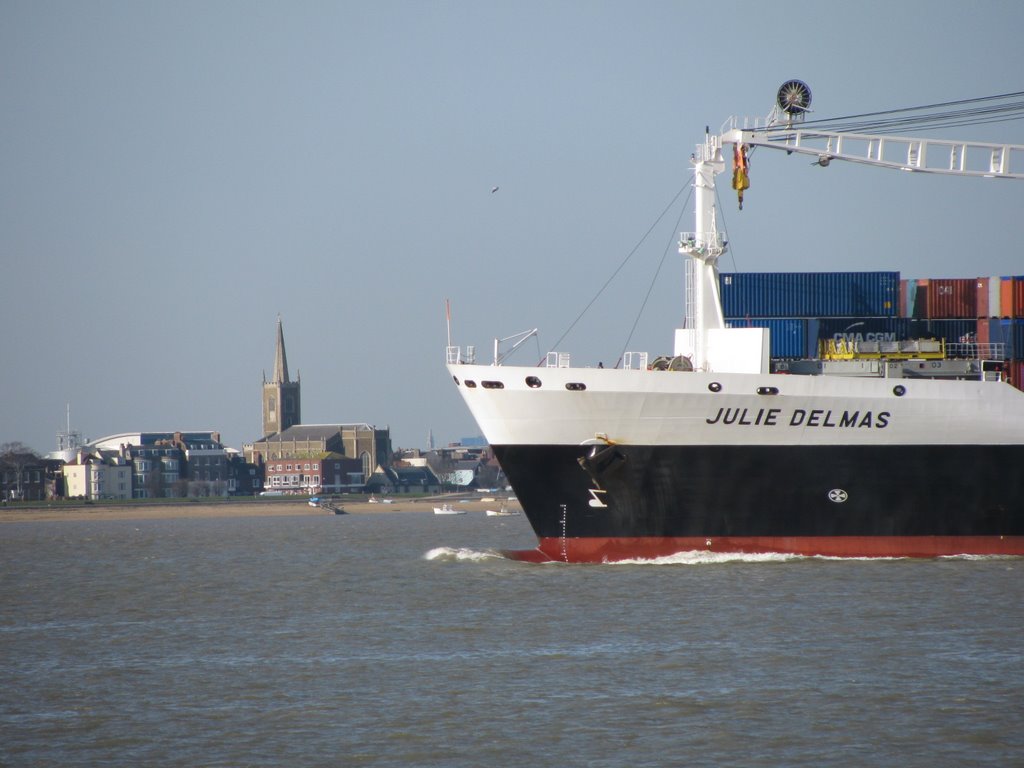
(601, 461)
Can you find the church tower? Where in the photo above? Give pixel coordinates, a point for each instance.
(281, 397)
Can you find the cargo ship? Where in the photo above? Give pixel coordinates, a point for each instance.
(874, 452)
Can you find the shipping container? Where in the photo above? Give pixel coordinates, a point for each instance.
(787, 335)
(1011, 297)
(906, 300)
(920, 299)
(981, 294)
(952, 298)
(996, 331)
(1014, 333)
(860, 329)
(952, 331)
(810, 294)
(984, 330)
(1016, 377)
(993, 298)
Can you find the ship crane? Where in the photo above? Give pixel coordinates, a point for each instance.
(746, 350)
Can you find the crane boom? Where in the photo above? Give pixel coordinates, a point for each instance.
(957, 158)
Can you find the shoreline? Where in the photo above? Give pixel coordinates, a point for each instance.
(192, 509)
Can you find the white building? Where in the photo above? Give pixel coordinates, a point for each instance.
(93, 477)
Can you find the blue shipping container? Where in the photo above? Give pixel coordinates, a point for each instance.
(809, 294)
(893, 329)
(861, 329)
(1013, 334)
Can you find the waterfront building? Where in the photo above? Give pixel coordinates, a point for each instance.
(326, 472)
(173, 464)
(24, 476)
(96, 475)
(305, 443)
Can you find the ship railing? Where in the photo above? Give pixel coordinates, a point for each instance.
(635, 361)
(456, 356)
(747, 123)
(976, 351)
(702, 243)
(557, 360)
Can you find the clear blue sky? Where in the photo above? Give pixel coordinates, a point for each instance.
(173, 175)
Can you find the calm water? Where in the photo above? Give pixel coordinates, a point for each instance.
(396, 640)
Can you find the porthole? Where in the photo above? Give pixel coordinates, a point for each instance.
(575, 386)
(532, 382)
(767, 390)
(492, 385)
(714, 386)
(470, 383)
(456, 380)
(899, 390)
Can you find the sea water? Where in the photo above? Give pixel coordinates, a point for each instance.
(404, 639)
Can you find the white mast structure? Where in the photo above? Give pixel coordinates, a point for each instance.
(704, 246)
(746, 349)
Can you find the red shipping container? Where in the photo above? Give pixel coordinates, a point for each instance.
(981, 302)
(1017, 374)
(983, 331)
(952, 298)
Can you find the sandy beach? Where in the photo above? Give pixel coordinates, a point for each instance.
(268, 508)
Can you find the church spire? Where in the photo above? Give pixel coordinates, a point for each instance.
(282, 401)
(280, 360)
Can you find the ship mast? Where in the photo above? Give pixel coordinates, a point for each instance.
(704, 246)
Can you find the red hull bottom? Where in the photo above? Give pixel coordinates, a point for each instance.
(601, 550)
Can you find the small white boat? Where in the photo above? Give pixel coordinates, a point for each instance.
(503, 511)
(446, 509)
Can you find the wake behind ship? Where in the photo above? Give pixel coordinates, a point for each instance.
(708, 449)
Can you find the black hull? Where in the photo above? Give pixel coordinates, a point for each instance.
(773, 493)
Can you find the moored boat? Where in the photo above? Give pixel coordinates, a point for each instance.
(328, 504)
(710, 448)
(502, 511)
(447, 509)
